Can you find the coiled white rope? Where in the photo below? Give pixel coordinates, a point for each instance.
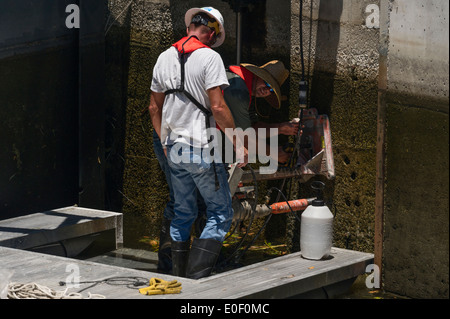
(36, 291)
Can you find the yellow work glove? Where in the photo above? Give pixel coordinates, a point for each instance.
(161, 287)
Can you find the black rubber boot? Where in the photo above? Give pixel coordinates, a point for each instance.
(203, 257)
(164, 252)
(180, 255)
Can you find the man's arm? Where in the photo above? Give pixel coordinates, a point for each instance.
(224, 119)
(155, 108)
(285, 128)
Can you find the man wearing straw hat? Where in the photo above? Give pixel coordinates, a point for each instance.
(248, 82)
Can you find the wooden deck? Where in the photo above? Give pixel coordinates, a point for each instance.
(288, 276)
(282, 277)
(56, 225)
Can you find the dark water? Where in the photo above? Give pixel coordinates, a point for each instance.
(359, 290)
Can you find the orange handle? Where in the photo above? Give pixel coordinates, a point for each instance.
(296, 205)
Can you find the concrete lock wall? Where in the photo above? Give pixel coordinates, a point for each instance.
(340, 42)
(416, 106)
(412, 78)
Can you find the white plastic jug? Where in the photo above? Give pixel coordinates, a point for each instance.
(316, 231)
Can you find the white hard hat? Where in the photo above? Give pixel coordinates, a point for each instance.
(214, 13)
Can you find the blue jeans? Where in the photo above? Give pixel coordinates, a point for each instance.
(169, 212)
(190, 175)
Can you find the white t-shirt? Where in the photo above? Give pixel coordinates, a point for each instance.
(182, 121)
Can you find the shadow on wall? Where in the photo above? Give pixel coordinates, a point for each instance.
(325, 64)
(38, 107)
(51, 91)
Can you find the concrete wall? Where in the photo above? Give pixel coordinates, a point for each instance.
(341, 65)
(418, 50)
(400, 71)
(416, 222)
(138, 31)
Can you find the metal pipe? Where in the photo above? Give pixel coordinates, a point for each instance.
(238, 36)
(243, 209)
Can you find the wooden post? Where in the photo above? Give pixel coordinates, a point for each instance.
(381, 136)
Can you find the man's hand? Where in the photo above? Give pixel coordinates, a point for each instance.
(155, 108)
(242, 157)
(283, 157)
(289, 128)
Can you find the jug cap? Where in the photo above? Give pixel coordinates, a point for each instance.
(318, 186)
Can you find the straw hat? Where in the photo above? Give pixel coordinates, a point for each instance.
(275, 74)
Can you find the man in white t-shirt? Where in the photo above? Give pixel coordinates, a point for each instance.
(186, 100)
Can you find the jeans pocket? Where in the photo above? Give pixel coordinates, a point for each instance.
(189, 158)
(198, 163)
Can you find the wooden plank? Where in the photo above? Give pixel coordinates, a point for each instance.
(281, 277)
(285, 276)
(49, 270)
(55, 225)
